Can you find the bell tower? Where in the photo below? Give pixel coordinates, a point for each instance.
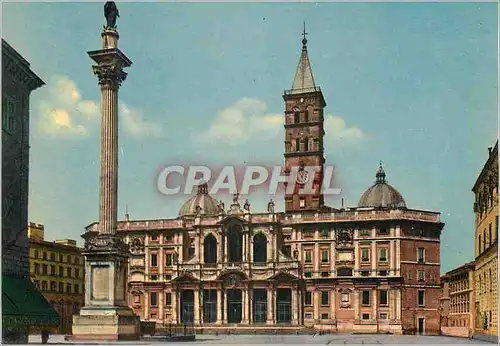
(304, 132)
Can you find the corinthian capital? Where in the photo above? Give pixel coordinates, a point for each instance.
(110, 74)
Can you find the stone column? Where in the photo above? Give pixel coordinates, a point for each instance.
(316, 303)
(224, 309)
(174, 315)
(270, 319)
(196, 306)
(333, 305)
(219, 305)
(244, 306)
(374, 257)
(295, 308)
(250, 304)
(356, 304)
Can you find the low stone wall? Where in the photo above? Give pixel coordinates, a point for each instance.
(460, 332)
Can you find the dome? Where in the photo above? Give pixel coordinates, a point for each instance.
(382, 194)
(208, 205)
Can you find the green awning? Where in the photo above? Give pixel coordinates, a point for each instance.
(24, 305)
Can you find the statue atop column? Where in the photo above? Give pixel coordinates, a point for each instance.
(111, 13)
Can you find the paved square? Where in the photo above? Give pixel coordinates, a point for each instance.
(333, 339)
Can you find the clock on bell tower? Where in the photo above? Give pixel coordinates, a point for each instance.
(304, 133)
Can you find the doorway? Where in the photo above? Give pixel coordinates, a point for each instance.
(421, 326)
(234, 312)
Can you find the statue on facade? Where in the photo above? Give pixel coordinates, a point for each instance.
(270, 206)
(236, 196)
(221, 207)
(111, 13)
(246, 206)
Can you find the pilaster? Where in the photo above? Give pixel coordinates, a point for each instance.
(219, 305)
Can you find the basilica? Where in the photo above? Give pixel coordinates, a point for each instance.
(372, 268)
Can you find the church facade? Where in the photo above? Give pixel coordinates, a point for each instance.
(370, 268)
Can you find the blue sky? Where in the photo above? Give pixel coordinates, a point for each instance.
(417, 80)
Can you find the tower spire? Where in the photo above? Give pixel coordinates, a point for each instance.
(303, 81)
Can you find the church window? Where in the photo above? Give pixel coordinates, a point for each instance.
(210, 249)
(235, 244)
(260, 248)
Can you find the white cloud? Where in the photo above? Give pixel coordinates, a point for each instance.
(247, 119)
(135, 125)
(337, 131)
(63, 112)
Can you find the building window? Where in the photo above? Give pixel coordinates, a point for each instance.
(296, 116)
(77, 273)
(168, 299)
(421, 275)
(154, 260)
(421, 298)
(344, 272)
(308, 256)
(36, 254)
(308, 316)
(168, 237)
(324, 256)
(382, 273)
(383, 297)
(308, 298)
(61, 258)
(365, 273)
(168, 259)
(52, 269)
(52, 257)
(365, 254)
(44, 269)
(325, 274)
(37, 268)
(324, 316)
(53, 286)
(302, 203)
(37, 284)
(69, 288)
(68, 270)
(77, 288)
(168, 277)
(365, 300)
(325, 233)
(325, 298)
(382, 231)
(383, 315)
(308, 275)
(61, 271)
(382, 254)
(154, 277)
(44, 285)
(154, 237)
(287, 250)
(489, 235)
(364, 232)
(420, 254)
(153, 299)
(366, 316)
(61, 287)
